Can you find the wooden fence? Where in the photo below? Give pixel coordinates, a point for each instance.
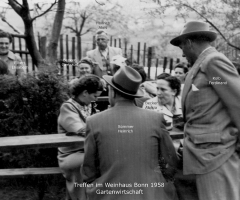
(71, 50)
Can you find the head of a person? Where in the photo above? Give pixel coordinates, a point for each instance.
(102, 39)
(194, 38)
(85, 66)
(3, 68)
(141, 71)
(180, 72)
(5, 41)
(124, 85)
(168, 87)
(86, 89)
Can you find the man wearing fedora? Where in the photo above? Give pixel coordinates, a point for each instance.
(122, 158)
(211, 111)
(103, 54)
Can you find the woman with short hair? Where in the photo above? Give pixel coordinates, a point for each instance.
(167, 100)
(72, 121)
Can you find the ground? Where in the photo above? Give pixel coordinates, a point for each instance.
(21, 189)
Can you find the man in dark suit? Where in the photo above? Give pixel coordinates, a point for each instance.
(103, 54)
(123, 146)
(211, 110)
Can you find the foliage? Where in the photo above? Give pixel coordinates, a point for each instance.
(222, 15)
(30, 106)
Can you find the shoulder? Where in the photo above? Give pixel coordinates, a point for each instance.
(14, 56)
(68, 105)
(101, 117)
(115, 49)
(89, 53)
(216, 58)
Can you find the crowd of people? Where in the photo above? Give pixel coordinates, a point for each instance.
(128, 152)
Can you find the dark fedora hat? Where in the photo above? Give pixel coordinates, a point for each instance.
(194, 28)
(127, 81)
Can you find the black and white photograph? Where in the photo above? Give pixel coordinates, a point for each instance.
(119, 100)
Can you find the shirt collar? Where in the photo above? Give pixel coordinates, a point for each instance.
(205, 50)
(11, 55)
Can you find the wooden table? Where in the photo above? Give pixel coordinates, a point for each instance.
(46, 141)
(39, 141)
(36, 141)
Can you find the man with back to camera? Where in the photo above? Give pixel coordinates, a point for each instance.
(123, 144)
(211, 110)
(14, 62)
(103, 54)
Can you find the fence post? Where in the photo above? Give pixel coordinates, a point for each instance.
(144, 54)
(125, 49)
(138, 53)
(61, 54)
(115, 42)
(13, 43)
(178, 60)
(67, 52)
(171, 65)
(120, 43)
(42, 46)
(149, 61)
(111, 41)
(156, 74)
(164, 64)
(79, 47)
(20, 46)
(73, 57)
(94, 42)
(131, 50)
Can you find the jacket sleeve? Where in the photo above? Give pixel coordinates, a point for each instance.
(167, 149)
(220, 67)
(69, 119)
(21, 68)
(90, 169)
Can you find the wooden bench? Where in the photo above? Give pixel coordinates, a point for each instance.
(44, 141)
(36, 141)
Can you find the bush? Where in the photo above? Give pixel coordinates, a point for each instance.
(30, 106)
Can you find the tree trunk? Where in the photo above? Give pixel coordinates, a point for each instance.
(55, 35)
(32, 46)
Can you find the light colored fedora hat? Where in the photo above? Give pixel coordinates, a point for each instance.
(127, 81)
(194, 28)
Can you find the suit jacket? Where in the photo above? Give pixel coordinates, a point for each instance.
(15, 64)
(96, 57)
(122, 148)
(211, 111)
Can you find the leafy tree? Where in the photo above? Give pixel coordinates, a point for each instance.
(222, 15)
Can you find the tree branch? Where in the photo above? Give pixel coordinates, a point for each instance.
(208, 21)
(87, 31)
(4, 20)
(84, 18)
(71, 28)
(16, 6)
(45, 11)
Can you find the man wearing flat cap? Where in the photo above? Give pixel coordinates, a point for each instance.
(103, 54)
(211, 110)
(123, 145)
